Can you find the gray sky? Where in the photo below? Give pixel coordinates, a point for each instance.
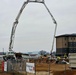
(35, 29)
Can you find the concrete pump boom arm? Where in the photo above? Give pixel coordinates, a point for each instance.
(18, 16)
(54, 21)
(15, 25)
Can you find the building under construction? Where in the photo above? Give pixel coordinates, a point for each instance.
(65, 44)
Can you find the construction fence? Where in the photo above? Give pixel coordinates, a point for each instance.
(20, 66)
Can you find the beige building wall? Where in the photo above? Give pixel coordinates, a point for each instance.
(61, 42)
(71, 39)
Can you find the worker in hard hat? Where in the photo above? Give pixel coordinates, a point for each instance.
(58, 59)
(65, 55)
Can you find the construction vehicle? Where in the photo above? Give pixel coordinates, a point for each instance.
(17, 21)
(9, 55)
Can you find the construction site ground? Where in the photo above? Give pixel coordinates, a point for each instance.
(43, 69)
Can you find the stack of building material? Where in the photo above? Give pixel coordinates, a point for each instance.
(72, 60)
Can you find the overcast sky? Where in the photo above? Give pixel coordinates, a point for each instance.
(35, 29)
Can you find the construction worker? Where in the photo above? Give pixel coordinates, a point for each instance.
(65, 55)
(58, 59)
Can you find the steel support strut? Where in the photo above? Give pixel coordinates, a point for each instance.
(18, 16)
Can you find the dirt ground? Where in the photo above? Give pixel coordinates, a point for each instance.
(53, 67)
(43, 69)
(68, 72)
(11, 73)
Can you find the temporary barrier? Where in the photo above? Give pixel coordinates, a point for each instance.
(30, 67)
(2, 65)
(5, 66)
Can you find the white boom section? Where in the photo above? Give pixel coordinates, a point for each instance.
(18, 16)
(54, 21)
(14, 27)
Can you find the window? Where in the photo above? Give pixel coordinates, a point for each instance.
(70, 44)
(75, 44)
(70, 50)
(74, 50)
